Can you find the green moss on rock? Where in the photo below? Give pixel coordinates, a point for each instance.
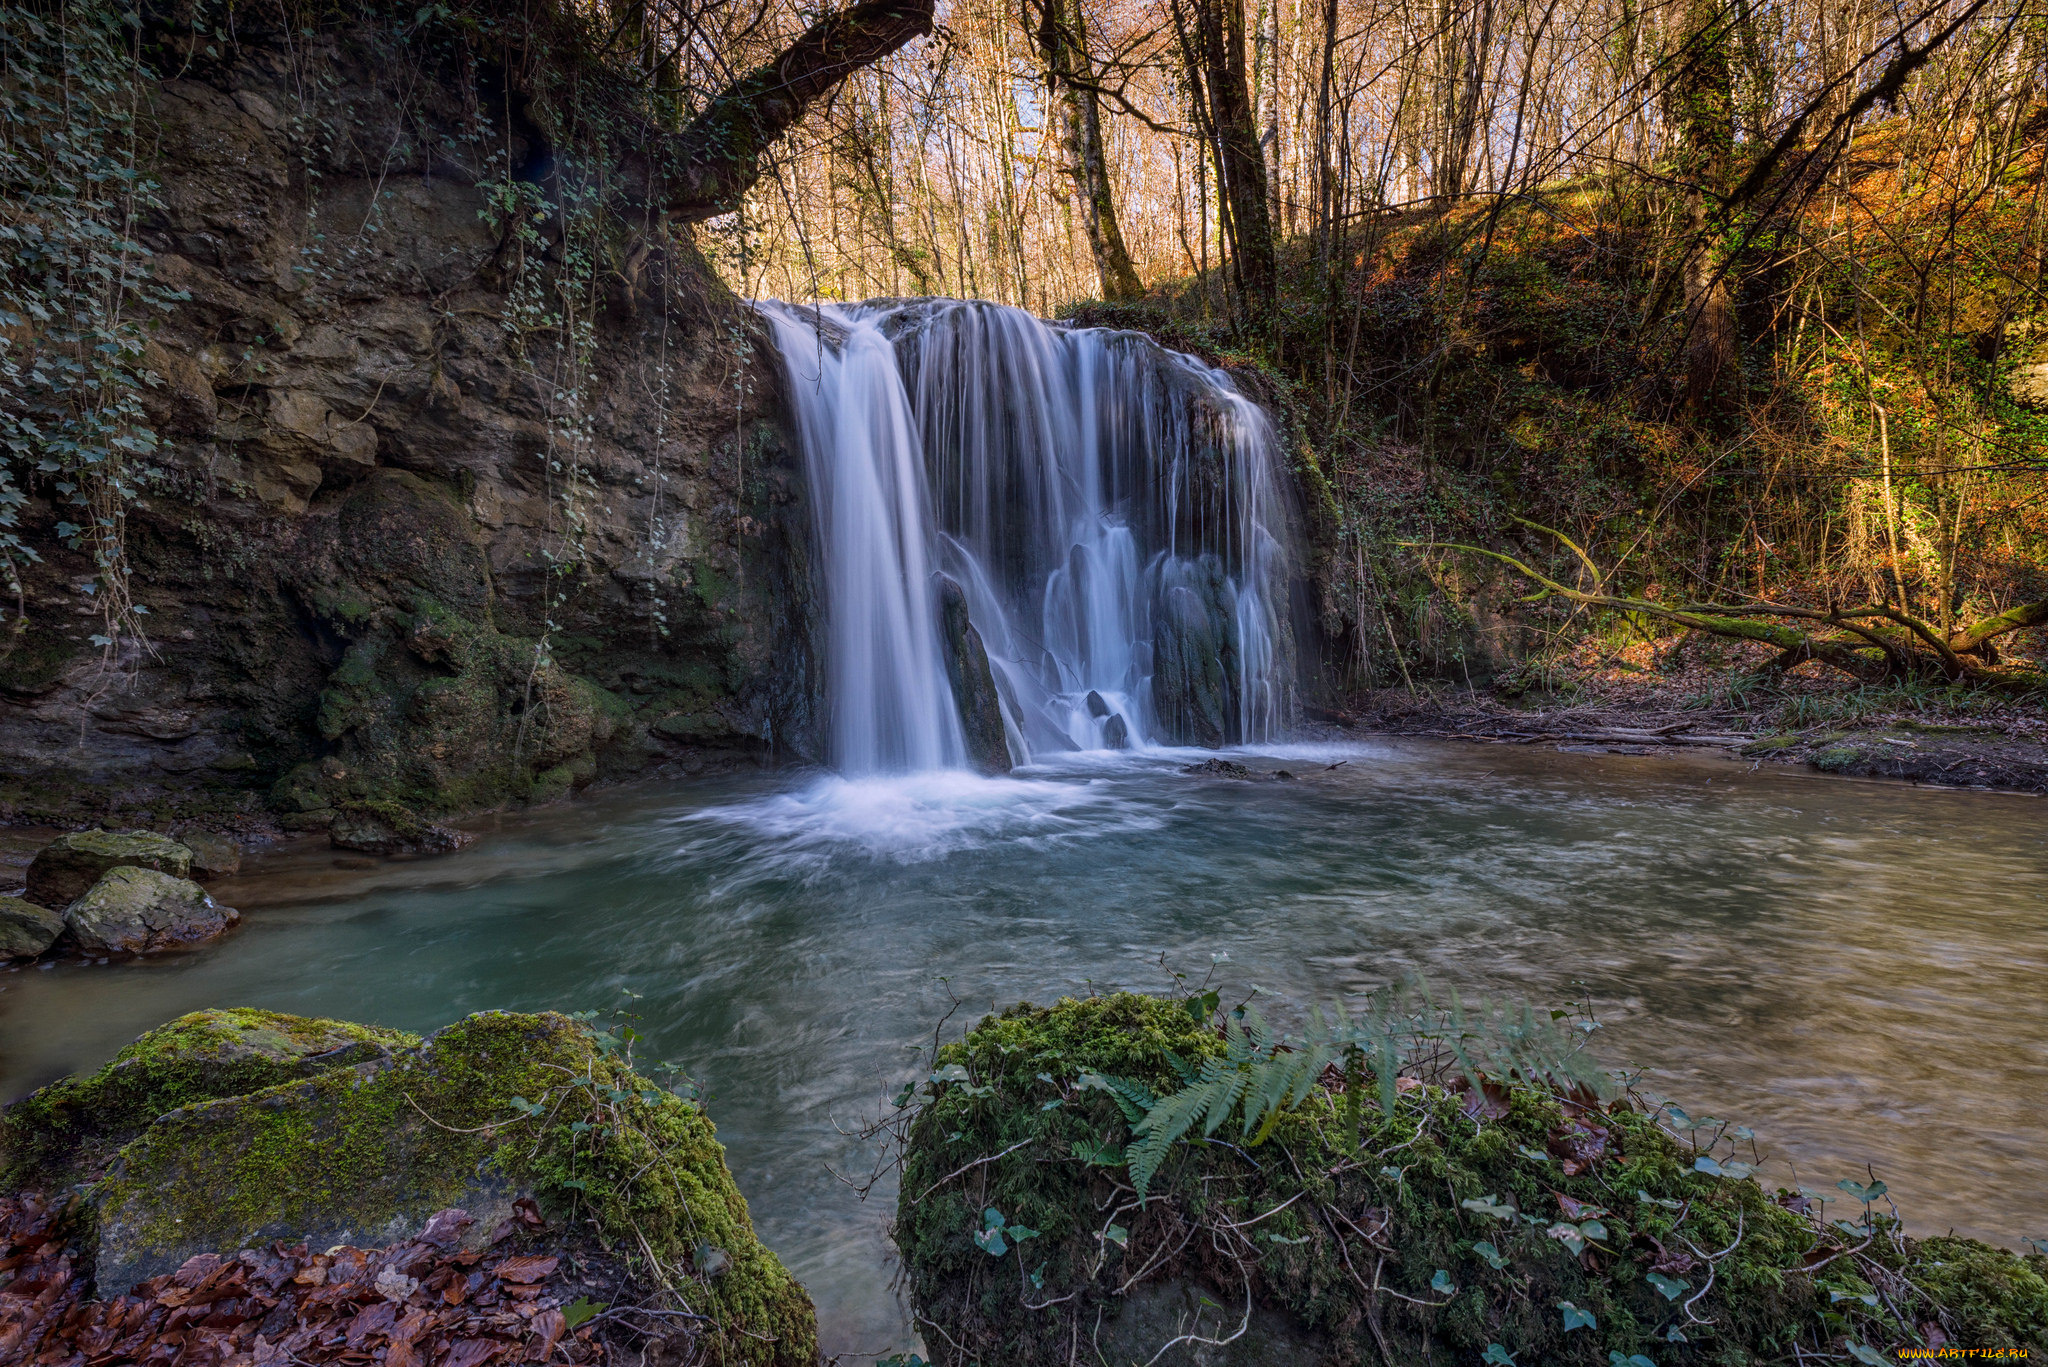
(1353, 1236)
(67, 1131)
(26, 930)
(492, 1108)
(142, 911)
(68, 865)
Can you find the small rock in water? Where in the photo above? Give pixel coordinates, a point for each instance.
(143, 911)
(1116, 733)
(213, 856)
(26, 930)
(1218, 768)
(1097, 706)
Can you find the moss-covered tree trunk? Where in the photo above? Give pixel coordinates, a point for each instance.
(1702, 110)
(1062, 39)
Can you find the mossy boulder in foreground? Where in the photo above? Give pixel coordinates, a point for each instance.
(66, 1132)
(1492, 1223)
(63, 869)
(365, 1148)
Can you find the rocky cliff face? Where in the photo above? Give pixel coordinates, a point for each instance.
(407, 552)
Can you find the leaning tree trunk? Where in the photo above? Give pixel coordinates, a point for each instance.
(1063, 47)
(707, 168)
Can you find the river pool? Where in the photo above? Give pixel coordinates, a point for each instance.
(1855, 970)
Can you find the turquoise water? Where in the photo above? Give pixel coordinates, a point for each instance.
(1853, 969)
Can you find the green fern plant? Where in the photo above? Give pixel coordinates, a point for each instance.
(1261, 1075)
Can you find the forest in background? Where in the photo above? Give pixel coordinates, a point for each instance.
(1678, 305)
(1594, 329)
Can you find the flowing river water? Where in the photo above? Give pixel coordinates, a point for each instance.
(1853, 969)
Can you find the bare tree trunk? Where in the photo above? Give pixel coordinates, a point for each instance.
(1215, 54)
(1063, 48)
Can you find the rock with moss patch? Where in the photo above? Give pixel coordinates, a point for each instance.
(65, 1132)
(70, 864)
(496, 1107)
(387, 828)
(213, 856)
(26, 930)
(142, 911)
(1463, 1217)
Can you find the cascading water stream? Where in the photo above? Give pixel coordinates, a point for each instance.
(1104, 520)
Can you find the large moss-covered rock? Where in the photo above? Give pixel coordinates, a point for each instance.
(66, 1132)
(1567, 1232)
(496, 1107)
(26, 930)
(141, 911)
(70, 864)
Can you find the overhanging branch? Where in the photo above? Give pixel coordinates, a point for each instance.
(705, 169)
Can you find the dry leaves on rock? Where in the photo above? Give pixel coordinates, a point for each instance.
(423, 1303)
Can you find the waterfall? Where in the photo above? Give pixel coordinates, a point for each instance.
(1034, 539)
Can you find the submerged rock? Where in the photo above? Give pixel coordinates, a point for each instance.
(389, 829)
(142, 911)
(972, 681)
(26, 930)
(66, 1132)
(70, 864)
(213, 856)
(1470, 1212)
(369, 1142)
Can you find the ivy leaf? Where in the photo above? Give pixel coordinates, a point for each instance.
(1489, 1205)
(1569, 1236)
(1632, 1360)
(1862, 1193)
(1863, 1354)
(1575, 1318)
(1441, 1283)
(990, 1241)
(1118, 1235)
(580, 1312)
(1670, 1288)
(1664, 1201)
(1492, 1255)
(1497, 1356)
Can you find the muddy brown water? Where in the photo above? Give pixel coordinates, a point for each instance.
(1855, 970)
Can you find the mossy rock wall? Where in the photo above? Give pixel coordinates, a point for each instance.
(362, 464)
(365, 1144)
(1432, 1234)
